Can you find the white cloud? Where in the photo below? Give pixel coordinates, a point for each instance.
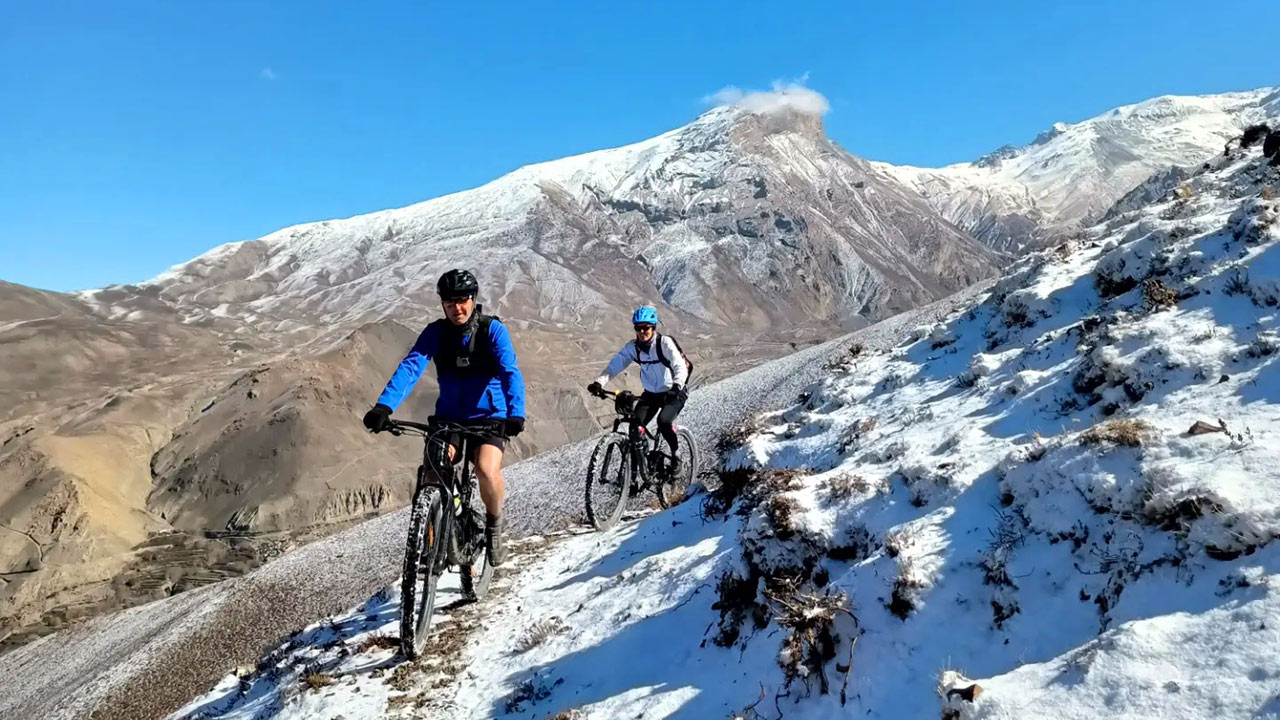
(792, 95)
(267, 73)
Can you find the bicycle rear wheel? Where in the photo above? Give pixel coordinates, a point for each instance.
(670, 489)
(608, 481)
(422, 554)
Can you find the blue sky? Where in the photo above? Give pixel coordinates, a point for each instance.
(135, 135)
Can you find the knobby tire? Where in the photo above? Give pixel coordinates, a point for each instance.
(422, 555)
(671, 490)
(601, 474)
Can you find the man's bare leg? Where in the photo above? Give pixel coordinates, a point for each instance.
(493, 490)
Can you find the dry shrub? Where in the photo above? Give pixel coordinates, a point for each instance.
(1176, 511)
(1127, 432)
(378, 641)
(738, 435)
(1157, 296)
(751, 486)
(736, 602)
(858, 544)
(315, 681)
(811, 641)
(906, 590)
(566, 715)
(896, 541)
(538, 633)
(848, 360)
(1265, 345)
(847, 485)
(1237, 282)
(855, 433)
(402, 678)
(781, 510)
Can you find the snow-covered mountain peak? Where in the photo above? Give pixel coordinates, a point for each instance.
(1072, 173)
(716, 217)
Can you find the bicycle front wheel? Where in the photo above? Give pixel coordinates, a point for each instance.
(608, 481)
(476, 573)
(422, 555)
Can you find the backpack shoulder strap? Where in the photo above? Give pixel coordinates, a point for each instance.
(482, 330)
(662, 356)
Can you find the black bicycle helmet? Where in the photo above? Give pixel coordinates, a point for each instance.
(456, 284)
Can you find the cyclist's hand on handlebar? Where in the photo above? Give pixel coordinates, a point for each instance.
(596, 389)
(378, 418)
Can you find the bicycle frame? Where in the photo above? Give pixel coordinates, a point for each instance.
(453, 481)
(640, 442)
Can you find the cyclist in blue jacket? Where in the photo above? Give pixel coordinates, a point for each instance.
(480, 382)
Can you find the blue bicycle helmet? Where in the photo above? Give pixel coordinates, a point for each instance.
(646, 314)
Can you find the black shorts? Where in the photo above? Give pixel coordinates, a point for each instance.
(496, 439)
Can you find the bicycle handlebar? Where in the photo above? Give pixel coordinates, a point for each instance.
(433, 424)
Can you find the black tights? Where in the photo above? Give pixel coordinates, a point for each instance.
(666, 407)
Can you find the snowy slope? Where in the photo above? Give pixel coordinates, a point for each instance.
(179, 646)
(1071, 174)
(1014, 497)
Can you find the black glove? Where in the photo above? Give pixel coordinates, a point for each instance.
(515, 426)
(595, 388)
(678, 392)
(377, 418)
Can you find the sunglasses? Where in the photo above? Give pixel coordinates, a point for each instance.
(455, 300)
(640, 328)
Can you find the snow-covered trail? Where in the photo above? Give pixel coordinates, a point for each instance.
(179, 647)
(613, 624)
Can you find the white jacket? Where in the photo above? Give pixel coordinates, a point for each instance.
(654, 376)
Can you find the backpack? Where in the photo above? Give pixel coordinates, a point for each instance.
(688, 364)
(475, 358)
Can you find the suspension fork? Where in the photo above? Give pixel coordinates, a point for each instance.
(639, 450)
(431, 476)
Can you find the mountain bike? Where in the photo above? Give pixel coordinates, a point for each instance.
(444, 529)
(628, 463)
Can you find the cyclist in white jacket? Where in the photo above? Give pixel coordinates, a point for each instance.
(663, 373)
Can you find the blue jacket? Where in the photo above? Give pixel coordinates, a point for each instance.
(462, 396)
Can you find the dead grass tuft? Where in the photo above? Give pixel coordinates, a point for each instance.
(538, 633)
(858, 545)
(906, 591)
(855, 433)
(736, 603)
(315, 681)
(1157, 296)
(781, 510)
(378, 641)
(847, 485)
(402, 678)
(738, 435)
(572, 714)
(1126, 432)
(751, 486)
